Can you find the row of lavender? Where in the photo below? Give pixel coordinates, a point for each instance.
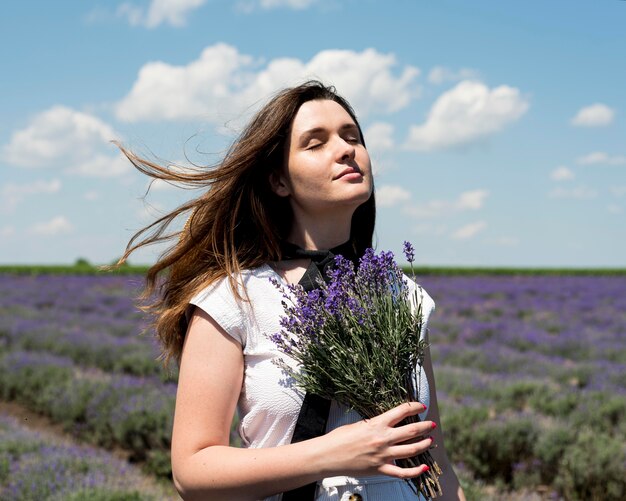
(531, 373)
(39, 466)
(70, 349)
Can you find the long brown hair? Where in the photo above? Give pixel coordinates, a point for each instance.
(237, 223)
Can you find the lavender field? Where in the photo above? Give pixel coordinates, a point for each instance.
(38, 466)
(531, 378)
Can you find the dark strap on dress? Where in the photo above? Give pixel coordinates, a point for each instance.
(313, 415)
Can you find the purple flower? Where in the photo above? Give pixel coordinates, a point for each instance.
(350, 300)
(409, 252)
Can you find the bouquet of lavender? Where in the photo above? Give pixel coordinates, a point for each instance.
(357, 341)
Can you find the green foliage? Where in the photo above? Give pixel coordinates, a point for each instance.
(136, 361)
(473, 489)
(517, 396)
(458, 425)
(491, 449)
(102, 494)
(140, 426)
(606, 413)
(5, 466)
(68, 269)
(17, 446)
(26, 383)
(159, 463)
(67, 403)
(593, 468)
(549, 450)
(555, 402)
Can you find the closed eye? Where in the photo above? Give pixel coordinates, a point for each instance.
(314, 145)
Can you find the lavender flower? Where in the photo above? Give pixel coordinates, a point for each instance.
(409, 252)
(357, 340)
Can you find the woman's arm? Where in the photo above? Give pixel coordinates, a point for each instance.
(205, 467)
(450, 486)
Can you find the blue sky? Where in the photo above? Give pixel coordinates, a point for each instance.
(497, 129)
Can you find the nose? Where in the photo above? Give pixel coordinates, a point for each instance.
(346, 150)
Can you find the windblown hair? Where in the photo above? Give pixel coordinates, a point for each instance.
(237, 223)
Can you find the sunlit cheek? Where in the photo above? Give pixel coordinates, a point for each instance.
(305, 186)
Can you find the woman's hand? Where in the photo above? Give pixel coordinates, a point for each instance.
(370, 446)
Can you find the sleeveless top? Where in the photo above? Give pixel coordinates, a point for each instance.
(269, 404)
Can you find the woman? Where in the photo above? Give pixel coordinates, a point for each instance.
(298, 177)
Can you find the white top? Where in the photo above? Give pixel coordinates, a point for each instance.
(268, 405)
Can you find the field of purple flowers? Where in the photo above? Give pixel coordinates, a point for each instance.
(531, 377)
(36, 465)
(531, 374)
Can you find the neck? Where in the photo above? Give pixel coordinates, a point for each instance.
(320, 234)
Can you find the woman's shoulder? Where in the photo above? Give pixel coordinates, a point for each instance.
(246, 281)
(230, 302)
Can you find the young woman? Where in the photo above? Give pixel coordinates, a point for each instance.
(298, 177)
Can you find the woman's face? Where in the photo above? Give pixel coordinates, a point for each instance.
(327, 165)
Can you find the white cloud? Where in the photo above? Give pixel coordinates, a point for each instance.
(12, 194)
(133, 13)
(466, 113)
(469, 230)
(596, 115)
(65, 139)
(432, 208)
(172, 12)
(91, 196)
(57, 133)
(379, 137)
(600, 157)
(430, 229)
(441, 74)
(249, 6)
(468, 200)
(293, 4)
(102, 166)
(618, 191)
(471, 200)
(223, 82)
(7, 231)
(58, 225)
(390, 195)
(615, 209)
(562, 173)
(577, 193)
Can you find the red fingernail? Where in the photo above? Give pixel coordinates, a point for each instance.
(425, 407)
(432, 439)
(434, 425)
(426, 468)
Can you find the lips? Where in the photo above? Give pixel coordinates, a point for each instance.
(348, 171)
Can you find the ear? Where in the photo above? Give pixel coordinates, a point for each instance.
(279, 183)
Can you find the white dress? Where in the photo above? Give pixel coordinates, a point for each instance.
(268, 405)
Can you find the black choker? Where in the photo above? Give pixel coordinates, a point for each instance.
(321, 261)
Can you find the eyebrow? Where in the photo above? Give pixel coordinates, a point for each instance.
(307, 134)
